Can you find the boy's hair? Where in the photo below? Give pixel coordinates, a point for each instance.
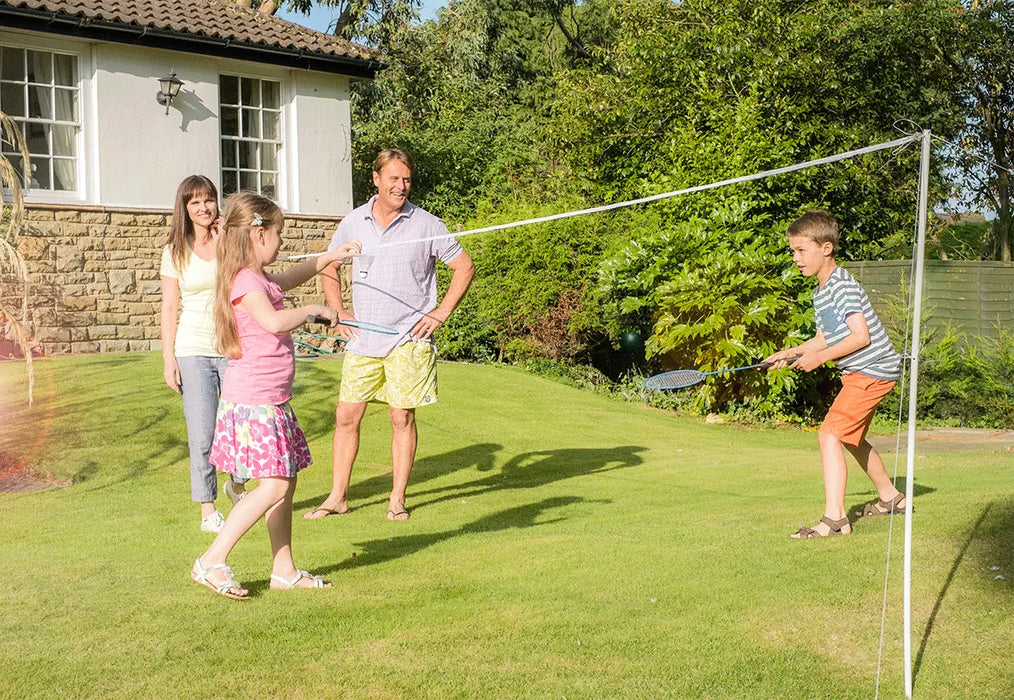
(233, 254)
(817, 225)
(181, 233)
(389, 154)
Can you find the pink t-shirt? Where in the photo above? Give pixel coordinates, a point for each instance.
(263, 375)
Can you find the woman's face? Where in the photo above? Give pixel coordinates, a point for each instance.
(202, 209)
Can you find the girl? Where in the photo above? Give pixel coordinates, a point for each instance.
(257, 435)
(192, 365)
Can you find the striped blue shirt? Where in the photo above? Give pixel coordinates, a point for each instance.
(840, 297)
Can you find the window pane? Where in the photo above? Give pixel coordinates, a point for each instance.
(40, 67)
(251, 124)
(248, 154)
(269, 93)
(230, 121)
(228, 154)
(229, 90)
(64, 141)
(269, 156)
(40, 173)
(248, 181)
(272, 126)
(269, 186)
(64, 70)
(37, 140)
(66, 105)
(19, 165)
(248, 92)
(12, 99)
(228, 181)
(12, 64)
(64, 174)
(40, 102)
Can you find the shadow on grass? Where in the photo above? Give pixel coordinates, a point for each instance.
(382, 550)
(994, 535)
(481, 456)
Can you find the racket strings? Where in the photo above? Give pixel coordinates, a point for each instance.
(677, 379)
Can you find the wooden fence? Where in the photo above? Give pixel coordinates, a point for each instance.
(976, 297)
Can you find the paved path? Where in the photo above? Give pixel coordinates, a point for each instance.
(947, 440)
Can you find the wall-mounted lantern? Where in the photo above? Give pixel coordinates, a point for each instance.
(168, 88)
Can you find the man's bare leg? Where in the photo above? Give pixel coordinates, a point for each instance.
(345, 448)
(404, 438)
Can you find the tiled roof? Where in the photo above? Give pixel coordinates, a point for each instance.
(210, 19)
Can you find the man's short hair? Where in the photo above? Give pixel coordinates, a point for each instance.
(817, 225)
(389, 154)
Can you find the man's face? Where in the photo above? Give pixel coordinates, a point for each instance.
(393, 183)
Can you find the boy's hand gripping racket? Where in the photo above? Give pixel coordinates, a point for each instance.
(683, 378)
(361, 325)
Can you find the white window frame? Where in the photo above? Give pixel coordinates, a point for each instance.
(280, 172)
(81, 57)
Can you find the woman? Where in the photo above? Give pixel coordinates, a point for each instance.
(192, 366)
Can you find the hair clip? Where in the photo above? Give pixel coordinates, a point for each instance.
(257, 220)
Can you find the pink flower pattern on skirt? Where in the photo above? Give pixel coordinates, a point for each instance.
(258, 441)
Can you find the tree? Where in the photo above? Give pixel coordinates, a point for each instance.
(986, 65)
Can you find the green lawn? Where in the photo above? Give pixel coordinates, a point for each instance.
(562, 544)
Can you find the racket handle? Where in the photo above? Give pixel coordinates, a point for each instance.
(314, 318)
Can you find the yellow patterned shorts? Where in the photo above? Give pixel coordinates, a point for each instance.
(406, 378)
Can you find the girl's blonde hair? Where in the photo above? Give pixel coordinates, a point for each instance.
(181, 234)
(244, 211)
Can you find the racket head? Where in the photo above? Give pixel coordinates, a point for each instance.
(367, 326)
(676, 379)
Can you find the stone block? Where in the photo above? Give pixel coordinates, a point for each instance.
(130, 332)
(97, 332)
(52, 334)
(77, 333)
(39, 214)
(152, 220)
(78, 303)
(113, 305)
(113, 319)
(53, 349)
(66, 215)
(147, 275)
(68, 259)
(121, 281)
(98, 289)
(94, 217)
(150, 287)
(145, 309)
(154, 333)
(113, 346)
(119, 219)
(85, 348)
(33, 248)
(48, 228)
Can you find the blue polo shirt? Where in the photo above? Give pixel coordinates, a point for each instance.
(393, 286)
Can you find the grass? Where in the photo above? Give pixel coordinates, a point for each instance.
(562, 544)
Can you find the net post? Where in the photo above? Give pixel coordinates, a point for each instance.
(922, 213)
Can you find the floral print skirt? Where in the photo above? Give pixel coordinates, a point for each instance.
(258, 441)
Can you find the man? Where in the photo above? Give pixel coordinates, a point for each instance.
(393, 286)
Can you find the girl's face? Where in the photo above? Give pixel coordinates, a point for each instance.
(267, 242)
(202, 209)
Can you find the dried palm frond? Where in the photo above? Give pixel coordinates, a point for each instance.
(14, 281)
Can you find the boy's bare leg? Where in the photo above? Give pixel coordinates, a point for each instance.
(835, 478)
(871, 463)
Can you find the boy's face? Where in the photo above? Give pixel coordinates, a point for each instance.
(809, 256)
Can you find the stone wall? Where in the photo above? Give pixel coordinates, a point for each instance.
(94, 274)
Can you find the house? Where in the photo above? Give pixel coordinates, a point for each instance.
(263, 106)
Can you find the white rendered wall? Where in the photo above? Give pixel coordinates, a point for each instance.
(131, 154)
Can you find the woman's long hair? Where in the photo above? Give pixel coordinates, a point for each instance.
(235, 251)
(181, 235)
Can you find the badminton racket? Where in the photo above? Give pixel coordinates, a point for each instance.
(361, 325)
(683, 378)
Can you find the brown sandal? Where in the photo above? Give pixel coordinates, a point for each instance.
(885, 507)
(835, 528)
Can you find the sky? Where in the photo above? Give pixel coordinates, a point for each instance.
(320, 17)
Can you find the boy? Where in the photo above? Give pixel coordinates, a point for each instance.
(849, 332)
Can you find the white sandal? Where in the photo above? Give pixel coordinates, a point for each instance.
(229, 587)
(318, 581)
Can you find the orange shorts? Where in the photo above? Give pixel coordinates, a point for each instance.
(850, 415)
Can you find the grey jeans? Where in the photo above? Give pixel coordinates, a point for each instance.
(202, 383)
